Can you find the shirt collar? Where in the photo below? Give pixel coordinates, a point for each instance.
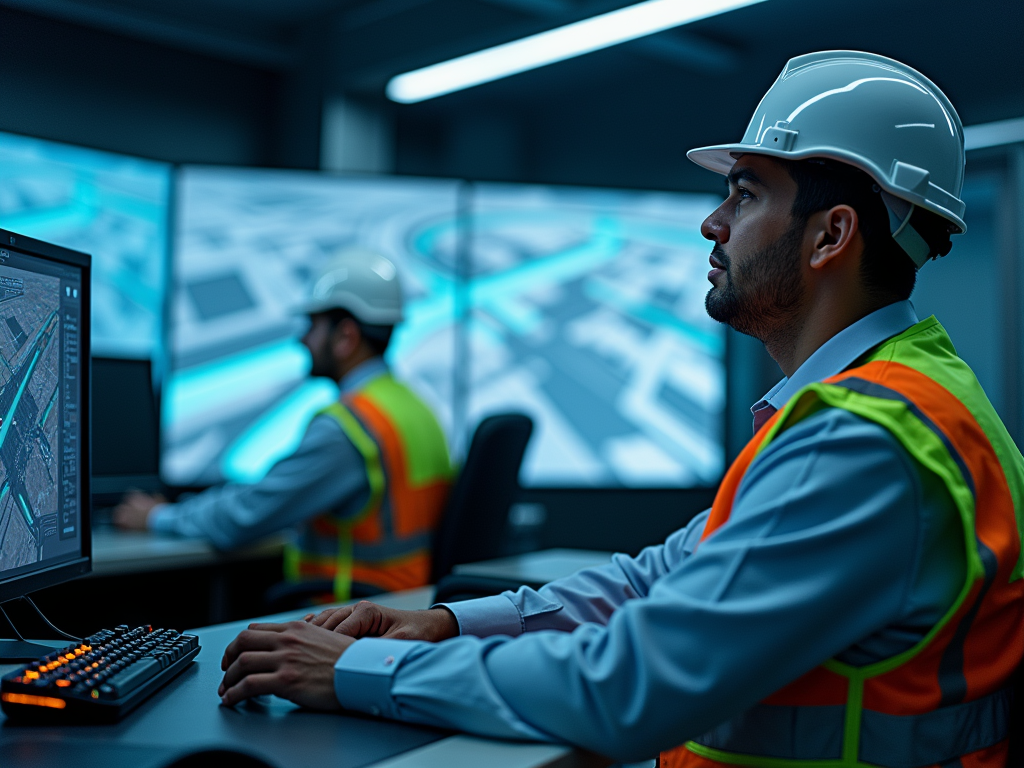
(362, 373)
(836, 354)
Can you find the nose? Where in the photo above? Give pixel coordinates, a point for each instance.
(715, 228)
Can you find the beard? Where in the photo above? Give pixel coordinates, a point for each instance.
(323, 361)
(768, 286)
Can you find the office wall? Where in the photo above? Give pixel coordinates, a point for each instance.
(70, 83)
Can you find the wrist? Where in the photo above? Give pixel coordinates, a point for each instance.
(445, 624)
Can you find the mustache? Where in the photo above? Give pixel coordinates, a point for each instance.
(719, 255)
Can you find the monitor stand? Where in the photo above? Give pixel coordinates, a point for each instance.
(20, 651)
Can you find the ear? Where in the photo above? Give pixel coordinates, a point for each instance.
(835, 233)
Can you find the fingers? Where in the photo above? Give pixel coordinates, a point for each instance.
(259, 637)
(249, 663)
(252, 685)
(341, 613)
(366, 620)
(266, 626)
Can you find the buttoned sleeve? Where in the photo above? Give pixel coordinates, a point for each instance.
(325, 473)
(837, 545)
(588, 596)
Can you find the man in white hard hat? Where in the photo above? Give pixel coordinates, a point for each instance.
(368, 482)
(854, 595)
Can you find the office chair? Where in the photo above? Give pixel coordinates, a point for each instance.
(474, 522)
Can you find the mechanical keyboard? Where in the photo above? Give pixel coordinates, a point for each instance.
(101, 679)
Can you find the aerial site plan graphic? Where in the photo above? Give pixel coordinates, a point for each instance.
(588, 315)
(248, 246)
(29, 408)
(583, 308)
(110, 206)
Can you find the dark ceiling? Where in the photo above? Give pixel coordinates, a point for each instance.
(623, 116)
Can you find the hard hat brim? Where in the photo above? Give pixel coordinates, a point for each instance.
(364, 313)
(720, 158)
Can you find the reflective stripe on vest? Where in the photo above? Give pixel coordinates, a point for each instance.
(387, 544)
(945, 699)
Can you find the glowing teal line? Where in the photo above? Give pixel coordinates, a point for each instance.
(602, 291)
(277, 432)
(53, 401)
(558, 267)
(205, 387)
(4, 491)
(26, 511)
(24, 383)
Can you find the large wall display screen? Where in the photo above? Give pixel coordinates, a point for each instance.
(110, 206)
(248, 245)
(588, 314)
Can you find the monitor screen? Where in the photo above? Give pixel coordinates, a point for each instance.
(43, 381)
(125, 427)
(248, 245)
(110, 206)
(588, 315)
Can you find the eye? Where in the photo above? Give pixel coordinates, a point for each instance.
(744, 193)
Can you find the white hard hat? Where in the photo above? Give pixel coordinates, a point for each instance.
(362, 282)
(873, 113)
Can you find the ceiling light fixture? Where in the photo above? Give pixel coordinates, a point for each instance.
(557, 44)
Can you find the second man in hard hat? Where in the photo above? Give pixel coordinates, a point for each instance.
(366, 487)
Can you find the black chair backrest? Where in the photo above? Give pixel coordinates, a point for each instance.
(473, 525)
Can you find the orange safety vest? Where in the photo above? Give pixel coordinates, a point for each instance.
(387, 545)
(946, 699)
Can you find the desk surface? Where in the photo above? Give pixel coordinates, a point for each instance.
(186, 716)
(123, 552)
(536, 567)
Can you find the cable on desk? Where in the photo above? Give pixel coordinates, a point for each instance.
(17, 634)
(48, 623)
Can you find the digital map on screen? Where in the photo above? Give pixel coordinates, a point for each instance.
(588, 315)
(110, 206)
(248, 246)
(29, 415)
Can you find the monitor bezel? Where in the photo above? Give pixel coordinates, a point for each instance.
(47, 576)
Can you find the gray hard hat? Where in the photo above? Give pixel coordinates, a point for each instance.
(360, 281)
(873, 113)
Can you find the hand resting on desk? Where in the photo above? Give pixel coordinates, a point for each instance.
(294, 661)
(366, 619)
(132, 513)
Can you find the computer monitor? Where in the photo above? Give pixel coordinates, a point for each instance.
(587, 313)
(125, 428)
(44, 435)
(248, 245)
(112, 206)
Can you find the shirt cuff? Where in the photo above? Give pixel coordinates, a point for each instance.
(161, 518)
(486, 616)
(363, 674)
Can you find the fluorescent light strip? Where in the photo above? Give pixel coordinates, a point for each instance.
(557, 44)
(994, 134)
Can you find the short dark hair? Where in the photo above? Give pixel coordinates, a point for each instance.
(376, 336)
(886, 269)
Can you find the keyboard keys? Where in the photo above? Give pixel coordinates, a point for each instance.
(101, 678)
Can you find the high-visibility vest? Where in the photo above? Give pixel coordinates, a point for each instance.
(387, 545)
(946, 699)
